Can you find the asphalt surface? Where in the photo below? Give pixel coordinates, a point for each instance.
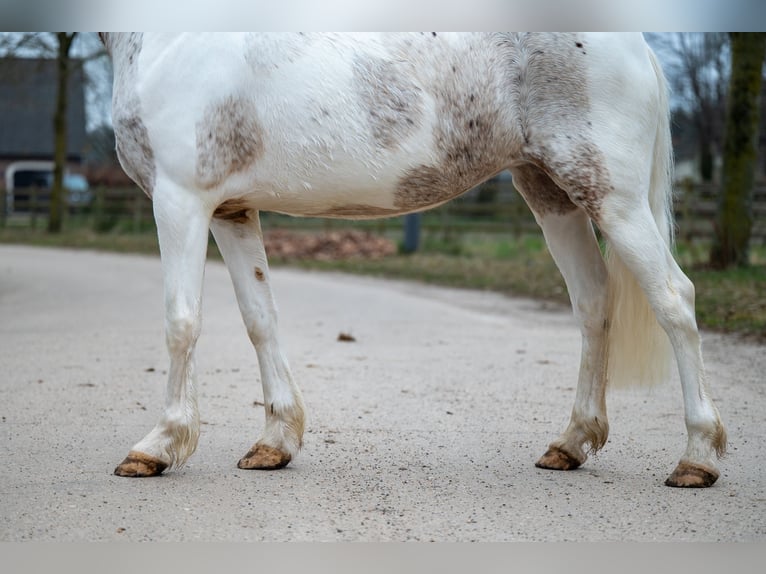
(426, 427)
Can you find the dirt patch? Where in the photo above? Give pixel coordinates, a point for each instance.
(327, 246)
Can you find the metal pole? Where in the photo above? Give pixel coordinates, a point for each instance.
(411, 232)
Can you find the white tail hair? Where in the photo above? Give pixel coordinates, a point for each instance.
(639, 349)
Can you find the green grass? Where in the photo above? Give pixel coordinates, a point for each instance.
(731, 301)
(84, 239)
(533, 275)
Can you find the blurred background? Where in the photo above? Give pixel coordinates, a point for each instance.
(61, 184)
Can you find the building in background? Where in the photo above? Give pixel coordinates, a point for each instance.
(27, 103)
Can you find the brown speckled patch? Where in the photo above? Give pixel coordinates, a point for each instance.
(688, 475)
(135, 151)
(394, 102)
(581, 171)
(263, 457)
(541, 194)
(134, 148)
(468, 137)
(548, 83)
(259, 274)
(357, 211)
(138, 464)
(526, 100)
(234, 210)
(229, 139)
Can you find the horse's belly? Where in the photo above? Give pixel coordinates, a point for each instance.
(357, 195)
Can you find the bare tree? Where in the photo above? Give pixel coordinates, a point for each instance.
(64, 41)
(60, 46)
(697, 65)
(735, 219)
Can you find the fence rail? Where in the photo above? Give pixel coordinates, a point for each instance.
(494, 207)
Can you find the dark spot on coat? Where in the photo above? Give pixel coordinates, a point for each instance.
(259, 274)
(578, 170)
(234, 210)
(393, 100)
(134, 148)
(229, 139)
(540, 192)
(134, 151)
(540, 71)
(467, 153)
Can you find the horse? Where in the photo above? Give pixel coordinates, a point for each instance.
(218, 127)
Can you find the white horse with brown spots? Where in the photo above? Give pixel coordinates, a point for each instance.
(216, 128)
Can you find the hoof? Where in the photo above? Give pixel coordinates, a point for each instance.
(138, 464)
(262, 457)
(688, 475)
(557, 459)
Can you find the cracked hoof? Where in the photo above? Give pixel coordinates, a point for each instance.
(557, 459)
(138, 464)
(262, 457)
(688, 475)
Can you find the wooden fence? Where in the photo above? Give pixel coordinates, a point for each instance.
(494, 207)
(696, 206)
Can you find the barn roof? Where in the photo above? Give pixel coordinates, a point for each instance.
(27, 104)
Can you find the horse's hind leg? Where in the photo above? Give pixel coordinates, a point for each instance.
(637, 241)
(239, 238)
(572, 243)
(182, 226)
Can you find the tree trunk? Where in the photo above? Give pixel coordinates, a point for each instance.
(707, 161)
(734, 221)
(60, 133)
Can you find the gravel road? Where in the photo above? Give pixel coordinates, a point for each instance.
(425, 427)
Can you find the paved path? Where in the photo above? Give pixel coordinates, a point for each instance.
(425, 428)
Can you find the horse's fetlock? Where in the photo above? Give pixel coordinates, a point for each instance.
(594, 431)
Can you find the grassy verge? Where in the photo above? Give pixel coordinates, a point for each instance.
(731, 301)
(83, 239)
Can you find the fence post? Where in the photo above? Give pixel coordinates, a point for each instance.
(687, 199)
(517, 213)
(136, 213)
(98, 208)
(411, 232)
(33, 206)
(3, 207)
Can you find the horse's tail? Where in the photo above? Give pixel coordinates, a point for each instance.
(639, 349)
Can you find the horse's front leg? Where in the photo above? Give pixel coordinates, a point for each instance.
(182, 226)
(241, 243)
(572, 244)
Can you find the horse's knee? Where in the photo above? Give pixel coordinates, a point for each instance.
(182, 332)
(260, 326)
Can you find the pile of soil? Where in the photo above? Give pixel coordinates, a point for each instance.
(327, 246)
